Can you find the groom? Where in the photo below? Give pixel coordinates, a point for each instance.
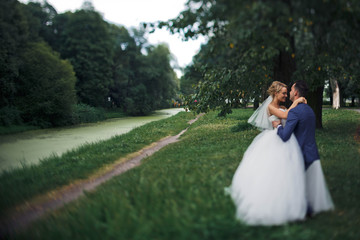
(301, 121)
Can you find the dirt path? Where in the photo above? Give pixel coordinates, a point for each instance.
(32, 210)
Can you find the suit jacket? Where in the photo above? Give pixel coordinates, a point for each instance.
(301, 121)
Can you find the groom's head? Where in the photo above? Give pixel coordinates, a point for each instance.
(298, 89)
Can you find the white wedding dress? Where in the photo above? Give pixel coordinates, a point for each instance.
(268, 187)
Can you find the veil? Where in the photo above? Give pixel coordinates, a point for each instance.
(260, 117)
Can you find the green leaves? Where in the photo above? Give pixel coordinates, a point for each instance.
(112, 67)
(261, 41)
(87, 42)
(46, 86)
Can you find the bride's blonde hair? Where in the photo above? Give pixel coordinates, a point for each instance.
(275, 87)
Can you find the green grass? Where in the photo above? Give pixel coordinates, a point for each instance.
(22, 184)
(177, 193)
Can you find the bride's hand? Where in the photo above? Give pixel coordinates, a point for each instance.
(301, 100)
(304, 100)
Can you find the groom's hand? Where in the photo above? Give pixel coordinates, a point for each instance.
(276, 123)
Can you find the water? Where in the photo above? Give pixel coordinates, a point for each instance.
(29, 147)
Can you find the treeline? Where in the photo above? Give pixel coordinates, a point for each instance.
(54, 67)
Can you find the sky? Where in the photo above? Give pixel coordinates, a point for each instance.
(131, 13)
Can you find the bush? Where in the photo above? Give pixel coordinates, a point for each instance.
(83, 113)
(45, 86)
(10, 116)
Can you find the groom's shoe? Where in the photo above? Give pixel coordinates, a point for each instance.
(309, 212)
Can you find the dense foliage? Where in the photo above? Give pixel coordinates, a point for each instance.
(51, 62)
(253, 42)
(45, 86)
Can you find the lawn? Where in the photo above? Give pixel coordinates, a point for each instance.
(178, 193)
(22, 184)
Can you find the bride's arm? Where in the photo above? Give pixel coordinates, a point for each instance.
(296, 102)
(281, 114)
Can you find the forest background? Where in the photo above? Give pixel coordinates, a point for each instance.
(64, 69)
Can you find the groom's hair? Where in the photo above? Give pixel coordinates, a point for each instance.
(301, 87)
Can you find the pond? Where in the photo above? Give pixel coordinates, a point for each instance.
(31, 146)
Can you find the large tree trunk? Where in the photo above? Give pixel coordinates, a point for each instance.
(256, 104)
(283, 70)
(315, 101)
(285, 65)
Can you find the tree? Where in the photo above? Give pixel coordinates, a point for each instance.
(245, 51)
(253, 42)
(141, 82)
(13, 34)
(125, 55)
(45, 87)
(161, 78)
(192, 76)
(36, 86)
(327, 42)
(86, 42)
(40, 20)
(128, 90)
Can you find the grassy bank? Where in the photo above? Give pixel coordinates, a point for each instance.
(177, 193)
(16, 129)
(83, 114)
(19, 185)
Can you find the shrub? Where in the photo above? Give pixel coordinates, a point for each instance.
(45, 87)
(10, 116)
(83, 113)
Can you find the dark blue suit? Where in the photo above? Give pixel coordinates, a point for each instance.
(301, 121)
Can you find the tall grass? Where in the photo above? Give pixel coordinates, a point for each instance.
(22, 184)
(177, 193)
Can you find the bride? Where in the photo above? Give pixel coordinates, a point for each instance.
(268, 187)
